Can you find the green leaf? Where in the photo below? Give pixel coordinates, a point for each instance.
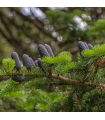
(8, 64)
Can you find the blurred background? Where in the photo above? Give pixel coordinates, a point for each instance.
(23, 28)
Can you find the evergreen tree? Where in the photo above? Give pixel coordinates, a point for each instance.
(57, 83)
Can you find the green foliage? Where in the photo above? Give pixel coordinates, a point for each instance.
(44, 94)
(37, 83)
(2, 73)
(66, 67)
(39, 91)
(60, 17)
(66, 25)
(98, 50)
(60, 58)
(98, 30)
(8, 64)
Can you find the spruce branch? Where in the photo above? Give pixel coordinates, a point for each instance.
(60, 61)
(62, 78)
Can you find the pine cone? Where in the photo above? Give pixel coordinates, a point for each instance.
(14, 56)
(26, 61)
(42, 51)
(36, 63)
(18, 78)
(90, 46)
(32, 62)
(49, 50)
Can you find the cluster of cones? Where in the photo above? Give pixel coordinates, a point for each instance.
(44, 50)
(28, 61)
(82, 46)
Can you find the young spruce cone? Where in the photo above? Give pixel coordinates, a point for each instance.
(36, 63)
(40, 63)
(42, 51)
(49, 50)
(14, 56)
(86, 45)
(32, 62)
(90, 46)
(82, 46)
(26, 61)
(17, 78)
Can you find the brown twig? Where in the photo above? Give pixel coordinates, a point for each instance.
(64, 79)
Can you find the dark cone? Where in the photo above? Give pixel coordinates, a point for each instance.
(26, 61)
(36, 63)
(49, 50)
(40, 63)
(81, 46)
(18, 78)
(32, 62)
(90, 46)
(42, 51)
(86, 45)
(14, 56)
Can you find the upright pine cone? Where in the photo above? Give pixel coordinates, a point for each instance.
(42, 51)
(49, 50)
(26, 61)
(14, 56)
(17, 78)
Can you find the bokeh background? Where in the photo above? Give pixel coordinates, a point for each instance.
(23, 28)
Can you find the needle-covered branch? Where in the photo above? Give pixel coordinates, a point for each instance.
(61, 65)
(63, 79)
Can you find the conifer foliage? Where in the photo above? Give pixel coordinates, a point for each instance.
(55, 83)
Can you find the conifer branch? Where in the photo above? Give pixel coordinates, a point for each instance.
(64, 79)
(35, 22)
(68, 80)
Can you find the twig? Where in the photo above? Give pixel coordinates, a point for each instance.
(64, 79)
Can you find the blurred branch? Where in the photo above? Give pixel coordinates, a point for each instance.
(8, 28)
(3, 78)
(12, 21)
(35, 22)
(61, 83)
(12, 42)
(62, 78)
(44, 9)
